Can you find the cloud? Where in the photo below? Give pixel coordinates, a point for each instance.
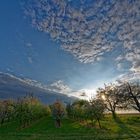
(30, 60)
(9, 69)
(92, 29)
(130, 76)
(133, 57)
(29, 50)
(29, 44)
(85, 94)
(120, 66)
(60, 87)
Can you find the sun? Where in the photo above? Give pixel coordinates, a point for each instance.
(103, 97)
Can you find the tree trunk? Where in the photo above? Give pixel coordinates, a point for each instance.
(93, 122)
(99, 123)
(113, 114)
(2, 121)
(136, 102)
(58, 123)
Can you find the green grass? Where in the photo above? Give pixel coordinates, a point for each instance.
(127, 127)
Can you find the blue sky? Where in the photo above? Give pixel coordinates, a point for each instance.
(82, 43)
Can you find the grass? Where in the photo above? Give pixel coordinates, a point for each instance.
(126, 127)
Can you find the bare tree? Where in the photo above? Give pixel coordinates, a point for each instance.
(131, 93)
(112, 96)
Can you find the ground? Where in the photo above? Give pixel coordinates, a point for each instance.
(126, 127)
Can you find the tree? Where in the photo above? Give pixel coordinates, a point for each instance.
(58, 111)
(69, 110)
(6, 110)
(131, 92)
(112, 96)
(29, 109)
(95, 110)
(79, 108)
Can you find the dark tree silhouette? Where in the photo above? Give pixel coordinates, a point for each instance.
(131, 92)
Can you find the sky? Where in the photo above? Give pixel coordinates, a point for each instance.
(71, 45)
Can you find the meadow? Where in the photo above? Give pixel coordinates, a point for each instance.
(126, 127)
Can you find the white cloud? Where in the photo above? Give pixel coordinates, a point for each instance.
(30, 60)
(130, 76)
(91, 30)
(60, 87)
(86, 94)
(134, 58)
(29, 44)
(9, 69)
(120, 66)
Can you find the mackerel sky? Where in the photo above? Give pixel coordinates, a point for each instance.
(70, 44)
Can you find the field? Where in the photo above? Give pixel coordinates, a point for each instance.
(126, 127)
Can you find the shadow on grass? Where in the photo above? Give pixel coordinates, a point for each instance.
(124, 130)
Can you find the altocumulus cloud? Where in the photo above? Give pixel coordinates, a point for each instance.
(92, 29)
